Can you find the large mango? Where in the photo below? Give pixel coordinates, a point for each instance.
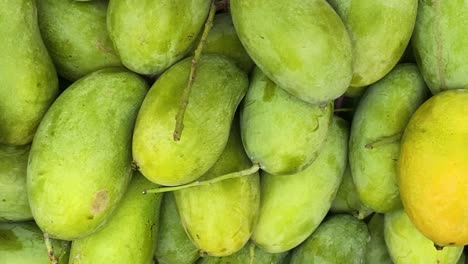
(301, 45)
(80, 160)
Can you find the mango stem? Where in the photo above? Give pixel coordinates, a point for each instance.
(50, 249)
(384, 141)
(193, 71)
(252, 253)
(228, 176)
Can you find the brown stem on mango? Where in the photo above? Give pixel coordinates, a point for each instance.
(233, 175)
(384, 141)
(50, 249)
(193, 70)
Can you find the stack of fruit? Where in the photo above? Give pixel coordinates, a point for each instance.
(241, 132)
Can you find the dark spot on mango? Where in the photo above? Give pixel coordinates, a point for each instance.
(3, 200)
(100, 202)
(438, 247)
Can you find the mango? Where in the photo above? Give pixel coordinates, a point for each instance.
(151, 35)
(380, 118)
(75, 33)
(308, 50)
(222, 39)
(80, 160)
(347, 199)
(377, 252)
(293, 206)
(217, 91)
(340, 239)
(131, 233)
(28, 80)
(379, 31)
(462, 259)
(173, 245)
(433, 168)
(270, 117)
(407, 245)
(23, 243)
(14, 204)
(219, 218)
(440, 42)
(248, 254)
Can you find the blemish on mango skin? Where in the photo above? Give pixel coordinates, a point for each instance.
(100, 202)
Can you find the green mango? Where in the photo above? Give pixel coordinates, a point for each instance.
(347, 199)
(173, 246)
(407, 245)
(151, 35)
(130, 234)
(440, 42)
(306, 51)
(270, 117)
(14, 204)
(222, 39)
(80, 160)
(380, 32)
(293, 206)
(462, 259)
(219, 218)
(339, 239)
(28, 80)
(382, 115)
(216, 93)
(377, 252)
(249, 254)
(23, 243)
(75, 34)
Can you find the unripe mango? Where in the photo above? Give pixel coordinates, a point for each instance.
(131, 233)
(219, 218)
(293, 206)
(23, 243)
(339, 239)
(270, 117)
(440, 42)
(307, 51)
(380, 32)
(217, 91)
(377, 252)
(173, 246)
(407, 245)
(381, 116)
(80, 160)
(28, 81)
(76, 36)
(14, 204)
(151, 35)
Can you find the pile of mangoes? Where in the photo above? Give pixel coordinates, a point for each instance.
(240, 132)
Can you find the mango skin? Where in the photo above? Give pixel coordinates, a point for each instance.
(407, 245)
(440, 42)
(379, 31)
(339, 239)
(28, 81)
(374, 170)
(80, 160)
(433, 168)
(217, 91)
(293, 206)
(131, 233)
(307, 52)
(151, 35)
(14, 204)
(270, 117)
(173, 246)
(249, 255)
(347, 199)
(76, 37)
(223, 39)
(220, 218)
(377, 252)
(23, 243)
